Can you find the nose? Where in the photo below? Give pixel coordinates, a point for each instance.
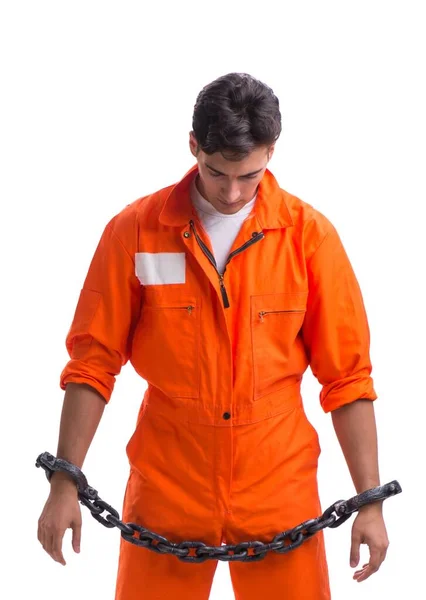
(232, 192)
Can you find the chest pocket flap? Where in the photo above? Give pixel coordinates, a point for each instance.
(276, 320)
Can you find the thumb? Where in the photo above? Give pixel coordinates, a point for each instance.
(76, 536)
(354, 557)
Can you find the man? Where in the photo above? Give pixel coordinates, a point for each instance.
(221, 290)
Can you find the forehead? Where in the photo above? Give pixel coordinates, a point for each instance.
(257, 159)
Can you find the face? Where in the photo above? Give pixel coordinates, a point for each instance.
(229, 185)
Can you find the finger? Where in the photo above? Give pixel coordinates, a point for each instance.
(76, 536)
(56, 548)
(40, 534)
(47, 541)
(363, 568)
(44, 536)
(354, 555)
(366, 572)
(375, 559)
(48, 544)
(363, 574)
(384, 552)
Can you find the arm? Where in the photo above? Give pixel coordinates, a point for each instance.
(335, 330)
(82, 411)
(99, 339)
(98, 344)
(337, 340)
(355, 427)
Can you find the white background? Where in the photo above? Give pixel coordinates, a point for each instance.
(96, 106)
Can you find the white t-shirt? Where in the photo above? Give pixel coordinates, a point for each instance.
(221, 229)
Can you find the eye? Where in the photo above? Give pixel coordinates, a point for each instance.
(214, 174)
(250, 176)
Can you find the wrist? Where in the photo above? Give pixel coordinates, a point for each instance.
(373, 507)
(62, 480)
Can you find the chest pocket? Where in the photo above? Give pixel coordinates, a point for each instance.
(165, 350)
(276, 320)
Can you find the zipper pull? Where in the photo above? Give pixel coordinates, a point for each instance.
(261, 315)
(223, 292)
(189, 309)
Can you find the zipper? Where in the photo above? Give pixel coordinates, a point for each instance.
(273, 312)
(189, 309)
(255, 239)
(212, 260)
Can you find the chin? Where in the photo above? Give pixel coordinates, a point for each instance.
(229, 209)
(231, 204)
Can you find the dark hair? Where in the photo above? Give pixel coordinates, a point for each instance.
(235, 114)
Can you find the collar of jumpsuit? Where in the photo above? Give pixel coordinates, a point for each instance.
(271, 210)
(221, 229)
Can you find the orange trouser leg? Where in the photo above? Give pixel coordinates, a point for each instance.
(298, 575)
(146, 575)
(274, 488)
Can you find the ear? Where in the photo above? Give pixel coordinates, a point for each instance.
(271, 151)
(193, 144)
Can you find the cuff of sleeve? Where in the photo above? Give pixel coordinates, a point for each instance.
(84, 376)
(343, 392)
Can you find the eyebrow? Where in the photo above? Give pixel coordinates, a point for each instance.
(220, 173)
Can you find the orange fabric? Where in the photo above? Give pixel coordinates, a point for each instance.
(222, 450)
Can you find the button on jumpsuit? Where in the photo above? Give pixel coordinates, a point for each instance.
(222, 451)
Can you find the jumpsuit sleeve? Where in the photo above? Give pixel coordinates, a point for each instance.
(99, 339)
(335, 331)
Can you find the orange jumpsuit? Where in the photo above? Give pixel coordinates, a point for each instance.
(222, 450)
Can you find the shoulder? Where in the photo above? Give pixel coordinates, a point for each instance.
(127, 222)
(309, 224)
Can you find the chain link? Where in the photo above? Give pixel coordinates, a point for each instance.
(197, 552)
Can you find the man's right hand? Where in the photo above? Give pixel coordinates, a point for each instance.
(61, 511)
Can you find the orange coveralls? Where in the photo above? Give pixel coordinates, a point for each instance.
(222, 450)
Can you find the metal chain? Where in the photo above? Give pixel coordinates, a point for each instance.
(197, 552)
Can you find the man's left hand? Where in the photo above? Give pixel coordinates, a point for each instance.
(369, 528)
